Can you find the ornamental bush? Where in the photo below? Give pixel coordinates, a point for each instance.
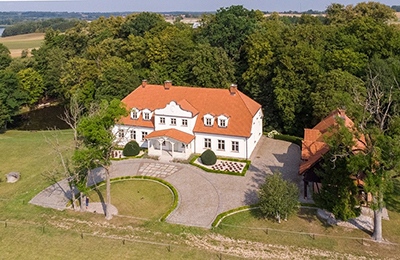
(131, 149)
(208, 157)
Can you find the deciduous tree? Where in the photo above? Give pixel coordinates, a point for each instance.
(277, 197)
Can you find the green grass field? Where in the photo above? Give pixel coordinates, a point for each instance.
(22, 42)
(137, 198)
(31, 232)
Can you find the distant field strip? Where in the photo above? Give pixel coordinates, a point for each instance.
(16, 44)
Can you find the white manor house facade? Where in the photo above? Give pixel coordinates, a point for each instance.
(177, 121)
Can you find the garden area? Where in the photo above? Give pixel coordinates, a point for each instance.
(27, 229)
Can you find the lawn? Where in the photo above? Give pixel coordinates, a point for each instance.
(137, 198)
(22, 42)
(28, 231)
(299, 230)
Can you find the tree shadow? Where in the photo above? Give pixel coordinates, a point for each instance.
(103, 204)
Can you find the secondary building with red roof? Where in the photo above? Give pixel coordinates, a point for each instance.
(177, 121)
(314, 148)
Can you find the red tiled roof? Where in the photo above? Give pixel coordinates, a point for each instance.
(201, 101)
(172, 133)
(313, 146)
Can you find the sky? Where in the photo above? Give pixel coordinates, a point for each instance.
(169, 5)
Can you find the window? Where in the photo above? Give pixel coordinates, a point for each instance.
(162, 120)
(207, 143)
(184, 145)
(121, 133)
(146, 116)
(134, 114)
(208, 121)
(235, 146)
(184, 122)
(143, 135)
(222, 123)
(173, 121)
(133, 134)
(221, 144)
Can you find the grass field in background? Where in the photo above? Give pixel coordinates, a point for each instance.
(16, 44)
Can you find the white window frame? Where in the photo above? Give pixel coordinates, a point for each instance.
(135, 113)
(184, 122)
(173, 121)
(207, 143)
(222, 122)
(162, 120)
(121, 133)
(235, 146)
(208, 121)
(146, 116)
(221, 145)
(133, 134)
(143, 135)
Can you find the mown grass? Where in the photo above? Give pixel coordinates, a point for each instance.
(24, 237)
(137, 198)
(306, 230)
(25, 41)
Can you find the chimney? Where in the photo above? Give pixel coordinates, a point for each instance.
(144, 83)
(167, 84)
(233, 89)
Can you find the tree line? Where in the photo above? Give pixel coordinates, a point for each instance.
(59, 24)
(298, 71)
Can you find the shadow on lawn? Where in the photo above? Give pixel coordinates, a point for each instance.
(103, 204)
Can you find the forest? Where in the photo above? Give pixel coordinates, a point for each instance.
(298, 71)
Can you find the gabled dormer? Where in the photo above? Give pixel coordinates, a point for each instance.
(135, 113)
(147, 114)
(208, 119)
(223, 121)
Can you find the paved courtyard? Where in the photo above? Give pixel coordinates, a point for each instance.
(202, 195)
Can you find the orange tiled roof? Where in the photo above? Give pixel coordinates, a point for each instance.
(172, 133)
(201, 101)
(313, 146)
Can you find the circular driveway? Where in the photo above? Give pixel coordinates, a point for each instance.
(202, 195)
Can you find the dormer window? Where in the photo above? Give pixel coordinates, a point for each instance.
(223, 121)
(135, 113)
(147, 114)
(208, 119)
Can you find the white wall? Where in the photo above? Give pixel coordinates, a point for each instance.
(256, 131)
(173, 110)
(127, 134)
(199, 145)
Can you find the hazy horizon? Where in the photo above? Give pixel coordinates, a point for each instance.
(168, 5)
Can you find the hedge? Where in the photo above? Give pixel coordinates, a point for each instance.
(289, 138)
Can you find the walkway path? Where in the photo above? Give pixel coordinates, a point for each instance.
(202, 195)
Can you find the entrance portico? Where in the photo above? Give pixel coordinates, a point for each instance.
(172, 142)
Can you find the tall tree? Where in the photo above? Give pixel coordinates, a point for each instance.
(11, 97)
(98, 140)
(32, 83)
(277, 197)
(5, 58)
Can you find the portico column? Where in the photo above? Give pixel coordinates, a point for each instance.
(173, 144)
(160, 141)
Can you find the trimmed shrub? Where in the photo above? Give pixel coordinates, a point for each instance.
(131, 149)
(208, 157)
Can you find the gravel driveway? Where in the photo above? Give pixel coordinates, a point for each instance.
(202, 195)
